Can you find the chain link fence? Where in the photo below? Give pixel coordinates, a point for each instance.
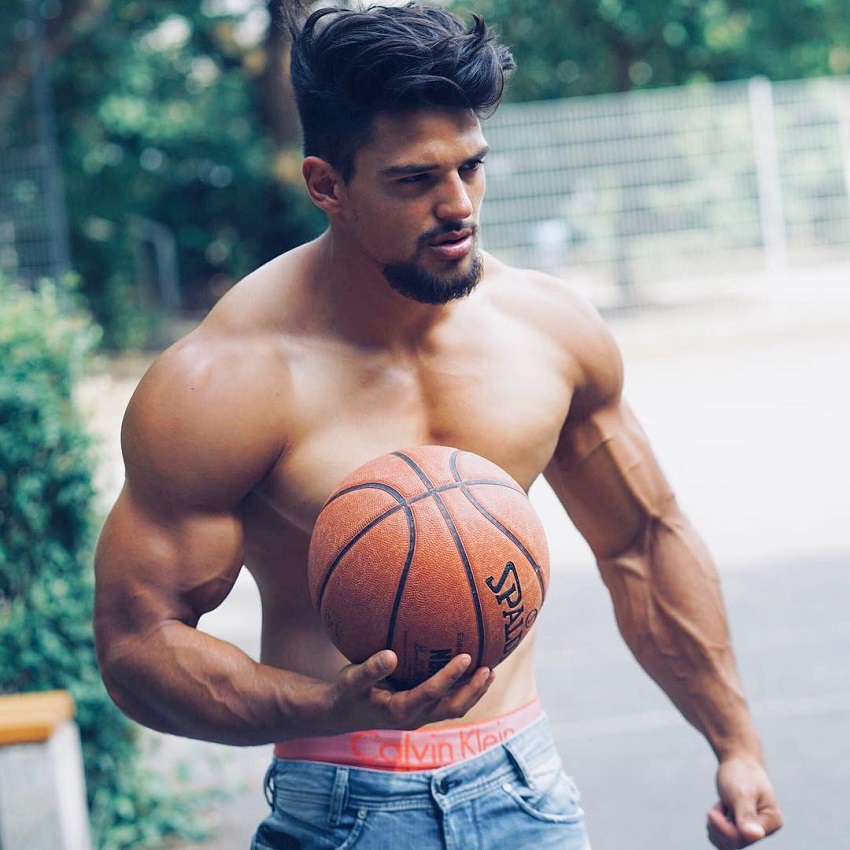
(636, 194)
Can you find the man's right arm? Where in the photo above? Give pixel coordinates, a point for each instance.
(171, 550)
(155, 578)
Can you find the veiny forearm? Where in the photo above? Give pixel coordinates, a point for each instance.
(662, 580)
(156, 576)
(178, 680)
(670, 610)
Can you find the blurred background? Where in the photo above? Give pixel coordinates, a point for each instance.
(686, 164)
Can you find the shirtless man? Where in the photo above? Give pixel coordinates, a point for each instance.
(394, 329)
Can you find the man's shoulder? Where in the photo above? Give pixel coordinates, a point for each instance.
(559, 311)
(238, 349)
(212, 363)
(555, 304)
(207, 412)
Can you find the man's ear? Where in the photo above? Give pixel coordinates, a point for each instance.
(323, 183)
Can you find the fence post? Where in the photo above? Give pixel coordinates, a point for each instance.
(158, 272)
(54, 193)
(42, 786)
(842, 110)
(769, 177)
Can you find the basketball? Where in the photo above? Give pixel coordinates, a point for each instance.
(431, 552)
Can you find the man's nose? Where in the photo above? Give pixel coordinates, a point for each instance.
(454, 202)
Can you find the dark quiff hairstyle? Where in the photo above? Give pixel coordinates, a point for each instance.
(349, 65)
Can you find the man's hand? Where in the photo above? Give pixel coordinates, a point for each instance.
(361, 700)
(747, 811)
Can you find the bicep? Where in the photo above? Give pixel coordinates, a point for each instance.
(607, 477)
(172, 546)
(151, 568)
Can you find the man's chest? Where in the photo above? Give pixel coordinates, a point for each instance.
(504, 402)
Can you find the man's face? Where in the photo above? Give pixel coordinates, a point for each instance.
(413, 203)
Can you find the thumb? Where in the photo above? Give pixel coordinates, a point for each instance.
(749, 823)
(752, 830)
(359, 678)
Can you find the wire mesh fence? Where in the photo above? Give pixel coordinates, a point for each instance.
(630, 194)
(33, 222)
(30, 247)
(633, 192)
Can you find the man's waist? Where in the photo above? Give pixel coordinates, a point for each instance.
(421, 749)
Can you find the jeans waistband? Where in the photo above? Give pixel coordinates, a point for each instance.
(291, 782)
(421, 749)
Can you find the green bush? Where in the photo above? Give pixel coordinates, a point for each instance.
(48, 526)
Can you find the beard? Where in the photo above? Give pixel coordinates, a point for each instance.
(412, 281)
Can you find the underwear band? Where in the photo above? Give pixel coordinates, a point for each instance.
(421, 749)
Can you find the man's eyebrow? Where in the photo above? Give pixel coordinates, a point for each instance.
(420, 168)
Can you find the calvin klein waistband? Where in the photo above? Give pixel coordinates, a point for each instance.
(421, 749)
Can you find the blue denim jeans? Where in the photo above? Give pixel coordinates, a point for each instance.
(515, 794)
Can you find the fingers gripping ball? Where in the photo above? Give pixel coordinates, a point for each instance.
(430, 552)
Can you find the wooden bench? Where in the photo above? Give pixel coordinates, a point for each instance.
(42, 785)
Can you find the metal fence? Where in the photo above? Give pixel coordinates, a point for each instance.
(629, 194)
(33, 222)
(634, 193)
(32, 238)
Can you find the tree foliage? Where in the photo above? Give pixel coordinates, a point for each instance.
(47, 529)
(178, 111)
(163, 112)
(580, 47)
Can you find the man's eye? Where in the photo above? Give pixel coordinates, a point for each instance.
(474, 165)
(413, 178)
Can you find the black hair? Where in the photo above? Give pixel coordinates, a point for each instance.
(349, 65)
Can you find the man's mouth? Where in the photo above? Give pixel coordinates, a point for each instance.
(452, 244)
(451, 237)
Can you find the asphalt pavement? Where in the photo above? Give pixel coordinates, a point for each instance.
(746, 402)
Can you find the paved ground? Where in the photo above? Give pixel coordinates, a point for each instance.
(746, 403)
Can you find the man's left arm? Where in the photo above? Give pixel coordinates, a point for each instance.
(667, 599)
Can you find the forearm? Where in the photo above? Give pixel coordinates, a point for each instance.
(184, 682)
(670, 610)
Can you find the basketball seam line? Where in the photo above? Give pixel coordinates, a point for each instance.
(450, 524)
(432, 488)
(504, 529)
(402, 581)
(348, 546)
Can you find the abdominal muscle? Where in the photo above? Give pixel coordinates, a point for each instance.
(293, 639)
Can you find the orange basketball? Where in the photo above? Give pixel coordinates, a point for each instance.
(431, 552)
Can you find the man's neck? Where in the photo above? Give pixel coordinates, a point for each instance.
(363, 307)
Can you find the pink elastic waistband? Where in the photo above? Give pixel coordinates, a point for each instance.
(422, 749)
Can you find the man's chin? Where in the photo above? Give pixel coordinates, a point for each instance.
(414, 282)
